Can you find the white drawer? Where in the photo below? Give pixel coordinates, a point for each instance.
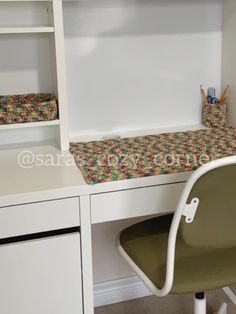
(41, 276)
(135, 202)
(39, 217)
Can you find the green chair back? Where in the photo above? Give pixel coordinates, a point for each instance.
(214, 225)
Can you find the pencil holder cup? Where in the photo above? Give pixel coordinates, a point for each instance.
(214, 115)
(28, 108)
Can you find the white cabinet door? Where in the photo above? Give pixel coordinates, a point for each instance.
(41, 276)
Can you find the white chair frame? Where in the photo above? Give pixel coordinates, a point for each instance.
(199, 305)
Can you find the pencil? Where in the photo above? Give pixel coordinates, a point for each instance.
(203, 94)
(222, 98)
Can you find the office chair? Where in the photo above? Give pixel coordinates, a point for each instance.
(193, 250)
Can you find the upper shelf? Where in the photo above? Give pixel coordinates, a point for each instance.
(26, 29)
(30, 0)
(28, 125)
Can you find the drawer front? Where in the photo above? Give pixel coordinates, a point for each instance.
(38, 217)
(41, 276)
(136, 202)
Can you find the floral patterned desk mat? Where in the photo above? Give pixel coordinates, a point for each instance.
(142, 156)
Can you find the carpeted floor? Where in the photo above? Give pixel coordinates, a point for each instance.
(172, 304)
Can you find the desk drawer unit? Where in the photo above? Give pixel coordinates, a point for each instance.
(40, 260)
(135, 202)
(39, 217)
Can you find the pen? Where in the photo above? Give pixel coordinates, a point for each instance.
(222, 98)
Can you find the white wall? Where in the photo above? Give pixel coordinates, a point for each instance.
(229, 52)
(135, 64)
(107, 262)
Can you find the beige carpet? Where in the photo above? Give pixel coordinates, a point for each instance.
(171, 304)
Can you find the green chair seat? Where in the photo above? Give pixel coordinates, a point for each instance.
(196, 269)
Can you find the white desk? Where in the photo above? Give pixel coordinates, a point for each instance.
(55, 196)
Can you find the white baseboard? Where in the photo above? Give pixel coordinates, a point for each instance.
(119, 290)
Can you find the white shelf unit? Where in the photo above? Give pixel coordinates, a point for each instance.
(54, 26)
(29, 125)
(26, 30)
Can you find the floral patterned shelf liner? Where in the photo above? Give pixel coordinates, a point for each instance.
(142, 156)
(28, 108)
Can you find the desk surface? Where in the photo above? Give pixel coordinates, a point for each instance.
(33, 169)
(33, 173)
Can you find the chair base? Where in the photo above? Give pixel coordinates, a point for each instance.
(222, 309)
(200, 305)
(230, 294)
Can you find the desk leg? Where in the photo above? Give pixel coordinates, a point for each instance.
(86, 253)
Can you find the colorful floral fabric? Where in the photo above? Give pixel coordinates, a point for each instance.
(214, 115)
(127, 158)
(28, 108)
